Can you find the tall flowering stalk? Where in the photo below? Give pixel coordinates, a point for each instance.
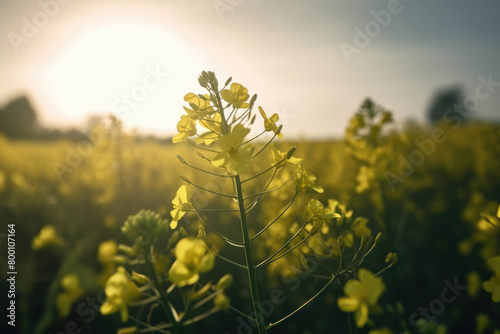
(219, 124)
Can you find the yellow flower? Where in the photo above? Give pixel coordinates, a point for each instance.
(213, 124)
(192, 257)
(270, 123)
(186, 128)
(107, 251)
(493, 285)
(306, 180)
(360, 229)
(236, 96)
(318, 215)
(282, 158)
(120, 291)
(47, 237)
(200, 107)
(181, 205)
(233, 157)
(72, 291)
(362, 295)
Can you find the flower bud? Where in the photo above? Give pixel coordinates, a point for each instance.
(201, 232)
(222, 302)
(225, 282)
(126, 249)
(139, 278)
(290, 152)
(121, 260)
(391, 257)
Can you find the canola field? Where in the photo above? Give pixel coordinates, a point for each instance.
(382, 231)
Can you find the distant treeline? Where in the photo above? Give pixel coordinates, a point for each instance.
(18, 120)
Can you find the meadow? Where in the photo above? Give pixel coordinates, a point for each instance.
(401, 231)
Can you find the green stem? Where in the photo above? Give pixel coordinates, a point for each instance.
(164, 298)
(257, 306)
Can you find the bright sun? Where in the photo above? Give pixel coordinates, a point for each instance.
(134, 68)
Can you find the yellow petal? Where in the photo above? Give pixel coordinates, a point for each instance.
(354, 288)
(108, 308)
(227, 96)
(361, 315)
(173, 224)
(348, 304)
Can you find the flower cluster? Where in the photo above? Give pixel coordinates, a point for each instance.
(159, 258)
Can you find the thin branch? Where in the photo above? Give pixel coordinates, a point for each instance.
(208, 190)
(271, 190)
(254, 203)
(250, 140)
(202, 170)
(275, 219)
(269, 142)
(284, 245)
(229, 241)
(318, 260)
(242, 313)
(302, 306)
(201, 316)
(263, 172)
(288, 250)
(232, 262)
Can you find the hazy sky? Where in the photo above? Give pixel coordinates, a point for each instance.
(88, 56)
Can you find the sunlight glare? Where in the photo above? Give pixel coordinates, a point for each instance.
(106, 61)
